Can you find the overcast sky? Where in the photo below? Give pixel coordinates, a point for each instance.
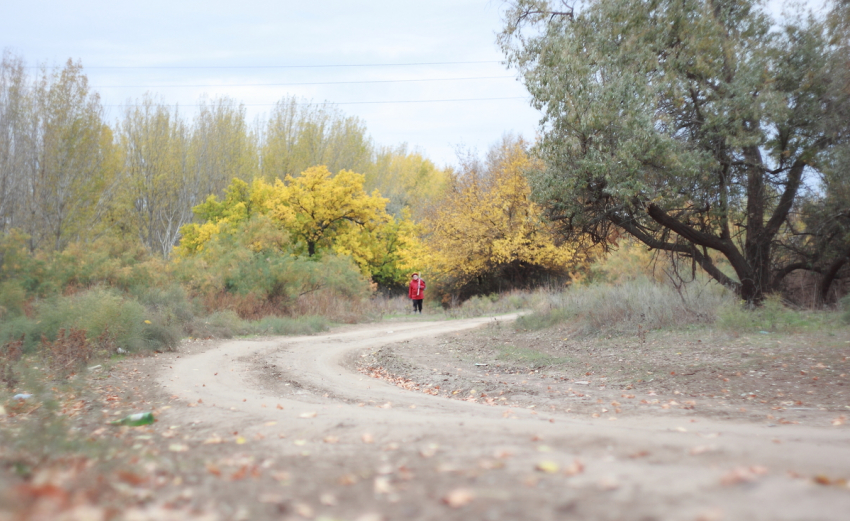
(257, 52)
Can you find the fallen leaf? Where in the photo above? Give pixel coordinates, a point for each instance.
(429, 451)
(331, 439)
(742, 475)
(459, 497)
(279, 406)
(271, 498)
(178, 447)
(213, 469)
(311, 414)
(328, 499)
(701, 449)
(213, 440)
(370, 516)
(281, 476)
(576, 467)
(548, 467)
(367, 438)
(239, 474)
(382, 485)
(304, 510)
(348, 479)
(820, 479)
(489, 464)
(609, 483)
(240, 440)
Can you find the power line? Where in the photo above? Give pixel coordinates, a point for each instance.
(300, 83)
(410, 64)
(361, 102)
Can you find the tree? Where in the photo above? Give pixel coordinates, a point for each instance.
(319, 213)
(406, 178)
(318, 208)
(159, 188)
(74, 161)
(221, 147)
(15, 133)
(57, 158)
(300, 135)
(487, 231)
(690, 125)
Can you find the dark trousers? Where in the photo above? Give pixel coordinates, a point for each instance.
(417, 305)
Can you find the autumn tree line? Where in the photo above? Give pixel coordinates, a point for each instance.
(247, 216)
(708, 132)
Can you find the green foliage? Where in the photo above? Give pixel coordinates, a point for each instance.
(845, 303)
(686, 124)
(311, 215)
(94, 311)
(772, 317)
(253, 260)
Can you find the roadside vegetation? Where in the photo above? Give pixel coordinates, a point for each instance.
(128, 238)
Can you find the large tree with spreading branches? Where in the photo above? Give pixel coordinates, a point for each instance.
(703, 129)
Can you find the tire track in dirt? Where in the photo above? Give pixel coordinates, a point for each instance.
(678, 472)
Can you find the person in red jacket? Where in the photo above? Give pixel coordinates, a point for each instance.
(416, 292)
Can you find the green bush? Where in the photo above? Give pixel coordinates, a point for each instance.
(254, 273)
(771, 316)
(130, 325)
(12, 299)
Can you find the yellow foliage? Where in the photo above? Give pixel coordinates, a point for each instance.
(323, 210)
(487, 222)
(319, 212)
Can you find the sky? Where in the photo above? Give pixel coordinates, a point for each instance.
(411, 59)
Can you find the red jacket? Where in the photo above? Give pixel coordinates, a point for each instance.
(416, 290)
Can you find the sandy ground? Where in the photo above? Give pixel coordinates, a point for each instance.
(357, 424)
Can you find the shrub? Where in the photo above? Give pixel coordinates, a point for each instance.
(68, 352)
(10, 353)
(12, 299)
(255, 276)
(129, 323)
(628, 307)
(771, 316)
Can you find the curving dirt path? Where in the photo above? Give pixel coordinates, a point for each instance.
(355, 446)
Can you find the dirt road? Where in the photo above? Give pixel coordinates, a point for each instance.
(325, 440)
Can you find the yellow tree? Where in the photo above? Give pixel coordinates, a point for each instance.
(319, 213)
(320, 209)
(487, 231)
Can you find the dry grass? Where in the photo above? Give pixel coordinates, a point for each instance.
(633, 306)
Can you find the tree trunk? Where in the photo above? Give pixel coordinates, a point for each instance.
(830, 274)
